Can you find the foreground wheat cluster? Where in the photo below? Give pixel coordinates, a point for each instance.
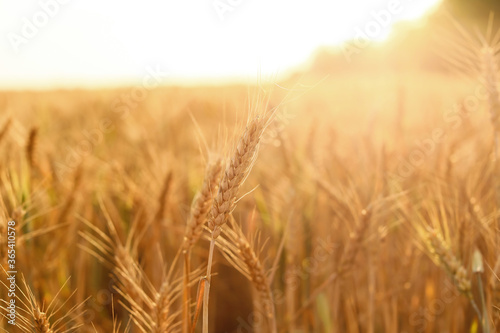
(196, 211)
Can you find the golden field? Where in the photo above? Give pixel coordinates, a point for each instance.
(371, 205)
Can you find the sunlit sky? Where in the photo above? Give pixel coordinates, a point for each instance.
(85, 43)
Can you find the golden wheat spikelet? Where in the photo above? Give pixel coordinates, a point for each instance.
(118, 257)
(202, 203)
(161, 311)
(451, 264)
(33, 316)
(236, 172)
(42, 324)
(31, 146)
(155, 312)
(197, 218)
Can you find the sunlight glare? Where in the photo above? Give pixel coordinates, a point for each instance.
(91, 43)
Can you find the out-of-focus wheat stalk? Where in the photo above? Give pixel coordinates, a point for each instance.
(490, 76)
(197, 218)
(355, 243)
(5, 129)
(245, 258)
(155, 230)
(110, 251)
(154, 314)
(450, 262)
(31, 316)
(31, 147)
(452, 266)
(151, 313)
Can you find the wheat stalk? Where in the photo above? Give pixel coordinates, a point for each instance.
(352, 248)
(5, 128)
(110, 251)
(197, 218)
(154, 231)
(33, 317)
(161, 311)
(202, 203)
(42, 324)
(236, 172)
(31, 146)
(154, 313)
(242, 256)
(490, 76)
(452, 265)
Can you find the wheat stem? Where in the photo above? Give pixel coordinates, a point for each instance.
(235, 174)
(206, 291)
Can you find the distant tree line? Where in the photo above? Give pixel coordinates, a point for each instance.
(474, 9)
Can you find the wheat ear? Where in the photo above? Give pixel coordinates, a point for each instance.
(197, 217)
(161, 313)
(153, 314)
(109, 250)
(31, 146)
(490, 76)
(451, 264)
(42, 325)
(202, 203)
(243, 256)
(234, 175)
(34, 317)
(354, 245)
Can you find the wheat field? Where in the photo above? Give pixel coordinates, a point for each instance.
(338, 203)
